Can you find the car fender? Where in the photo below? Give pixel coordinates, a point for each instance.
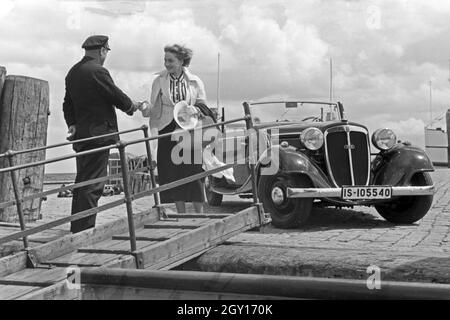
(289, 160)
(397, 165)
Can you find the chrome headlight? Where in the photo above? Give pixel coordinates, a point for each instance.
(312, 138)
(384, 139)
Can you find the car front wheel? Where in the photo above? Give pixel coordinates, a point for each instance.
(408, 209)
(286, 213)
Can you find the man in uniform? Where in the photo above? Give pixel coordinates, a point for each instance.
(89, 110)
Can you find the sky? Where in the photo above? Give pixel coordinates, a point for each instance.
(390, 59)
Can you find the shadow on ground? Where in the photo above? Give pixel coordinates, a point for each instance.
(321, 219)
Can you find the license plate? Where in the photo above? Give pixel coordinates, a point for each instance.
(358, 193)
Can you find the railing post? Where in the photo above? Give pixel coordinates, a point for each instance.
(128, 197)
(252, 164)
(161, 211)
(17, 197)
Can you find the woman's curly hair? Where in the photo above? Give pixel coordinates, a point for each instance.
(181, 52)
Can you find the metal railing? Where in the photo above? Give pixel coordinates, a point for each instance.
(125, 175)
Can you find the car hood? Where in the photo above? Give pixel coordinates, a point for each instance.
(296, 127)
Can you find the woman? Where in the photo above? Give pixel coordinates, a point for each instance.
(171, 86)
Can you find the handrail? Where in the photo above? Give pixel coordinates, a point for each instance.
(12, 169)
(51, 160)
(69, 187)
(2, 155)
(117, 145)
(296, 101)
(165, 135)
(74, 217)
(121, 145)
(89, 212)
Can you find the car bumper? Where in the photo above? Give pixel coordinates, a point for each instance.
(337, 192)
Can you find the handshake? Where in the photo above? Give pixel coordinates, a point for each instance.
(138, 105)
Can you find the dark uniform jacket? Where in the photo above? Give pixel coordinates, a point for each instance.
(90, 101)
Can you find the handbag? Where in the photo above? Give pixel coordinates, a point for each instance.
(200, 138)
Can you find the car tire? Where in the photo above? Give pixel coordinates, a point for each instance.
(285, 213)
(214, 199)
(407, 210)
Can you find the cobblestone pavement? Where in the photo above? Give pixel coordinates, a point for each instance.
(361, 227)
(334, 243)
(344, 244)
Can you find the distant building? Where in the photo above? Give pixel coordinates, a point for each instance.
(115, 167)
(437, 139)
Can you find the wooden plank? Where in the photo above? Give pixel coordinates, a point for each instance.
(88, 237)
(9, 226)
(82, 259)
(12, 292)
(168, 252)
(181, 223)
(151, 234)
(26, 283)
(22, 274)
(48, 235)
(115, 247)
(110, 243)
(170, 226)
(205, 215)
(38, 275)
(13, 247)
(58, 291)
(13, 263)
(187, 244)
(122, 262)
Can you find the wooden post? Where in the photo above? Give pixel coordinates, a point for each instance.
(24, 109)
(448, 137)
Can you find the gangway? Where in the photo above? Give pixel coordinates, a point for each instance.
(151, 240)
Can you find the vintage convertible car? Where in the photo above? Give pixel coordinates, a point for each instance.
(308, 154)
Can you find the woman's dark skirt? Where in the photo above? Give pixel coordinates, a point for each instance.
(168, 172)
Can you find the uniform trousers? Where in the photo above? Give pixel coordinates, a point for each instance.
(89, 167)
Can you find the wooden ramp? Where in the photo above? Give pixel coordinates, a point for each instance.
(33, 240)
(161, 245)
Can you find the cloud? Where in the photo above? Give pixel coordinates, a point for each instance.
(384, 53)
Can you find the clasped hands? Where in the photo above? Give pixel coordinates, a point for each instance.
(137, 106)
(143, 105)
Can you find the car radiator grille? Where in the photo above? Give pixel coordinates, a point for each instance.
(348, 155)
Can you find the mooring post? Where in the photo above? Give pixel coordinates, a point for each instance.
(128, 197)
(24, 111)
(18, 198)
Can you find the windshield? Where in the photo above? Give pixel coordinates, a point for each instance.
(293, 111)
